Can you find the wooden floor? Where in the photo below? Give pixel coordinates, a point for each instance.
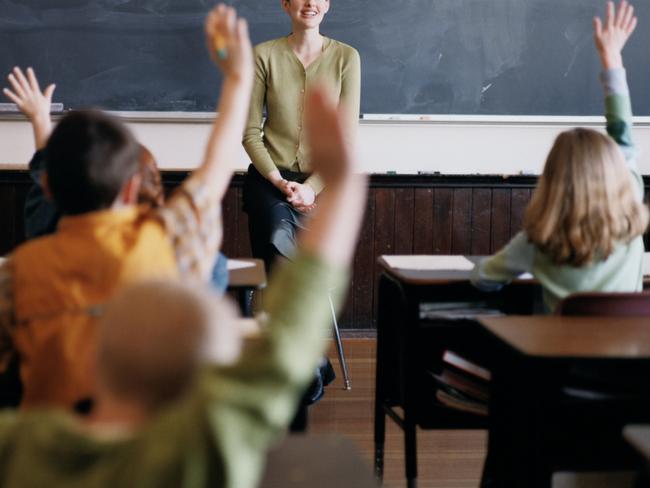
(449, 459)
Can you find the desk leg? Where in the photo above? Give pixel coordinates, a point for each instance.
(510, 461)
(410, 324)
(380, 436)
(245, 299)
(380, 431)
(410, 453)
(380, 414)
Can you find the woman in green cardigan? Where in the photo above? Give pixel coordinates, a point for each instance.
(280, 188)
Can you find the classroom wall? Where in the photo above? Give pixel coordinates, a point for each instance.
(404, 215)
(450, 146)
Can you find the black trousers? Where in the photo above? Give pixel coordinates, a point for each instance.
(272, 221)
(272, 226)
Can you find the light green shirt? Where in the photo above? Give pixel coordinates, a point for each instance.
(280, 85)
(219, 435)
(622, 271)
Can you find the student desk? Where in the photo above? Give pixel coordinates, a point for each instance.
(246, 276)
(317, 462)
(541, 419)
(410, 344)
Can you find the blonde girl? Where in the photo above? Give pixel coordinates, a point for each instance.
(583, 227)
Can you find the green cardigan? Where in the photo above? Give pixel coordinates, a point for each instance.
(280, 84)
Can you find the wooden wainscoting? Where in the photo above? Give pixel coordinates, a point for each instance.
(406, 214)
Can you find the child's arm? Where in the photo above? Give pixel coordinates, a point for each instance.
(610, 38)
(515, 259)
(222, 26)
(254, 401)
(41, 215)
(26, 93)
(192, 216)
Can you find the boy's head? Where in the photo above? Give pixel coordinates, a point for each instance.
(155, 335)
(90, 156)
(585, 201)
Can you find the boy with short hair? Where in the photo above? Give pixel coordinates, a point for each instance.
(50, 288)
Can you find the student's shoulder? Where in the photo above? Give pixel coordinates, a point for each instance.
(37, 247)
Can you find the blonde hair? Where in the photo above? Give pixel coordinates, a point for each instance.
(585, 201)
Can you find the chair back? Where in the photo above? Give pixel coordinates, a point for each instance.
(606, 304)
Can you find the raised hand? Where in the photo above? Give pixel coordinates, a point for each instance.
(610, 37)
(26, 93)
(228, 42)
(230, 47)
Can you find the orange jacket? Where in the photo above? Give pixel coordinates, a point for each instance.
(60, 283)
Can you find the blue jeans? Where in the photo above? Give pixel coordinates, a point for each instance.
(219, 280)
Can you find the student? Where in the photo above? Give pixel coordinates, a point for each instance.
(583, 226)
(51, 287)
(161, 419)
(41, 214)
(281, 186)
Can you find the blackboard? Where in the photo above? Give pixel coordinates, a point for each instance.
(497, 57)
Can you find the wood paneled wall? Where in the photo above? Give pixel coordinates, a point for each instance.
(14, 186)
(424, 214)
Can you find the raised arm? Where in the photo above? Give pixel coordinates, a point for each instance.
(257, 397)
(235, 60)
(41, 215)
(35, 104)
(610, 38)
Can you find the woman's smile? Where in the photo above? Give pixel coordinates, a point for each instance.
(309, 12)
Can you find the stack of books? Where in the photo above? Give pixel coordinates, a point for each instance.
(462, 385)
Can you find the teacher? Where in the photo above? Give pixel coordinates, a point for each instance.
(280, 188)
